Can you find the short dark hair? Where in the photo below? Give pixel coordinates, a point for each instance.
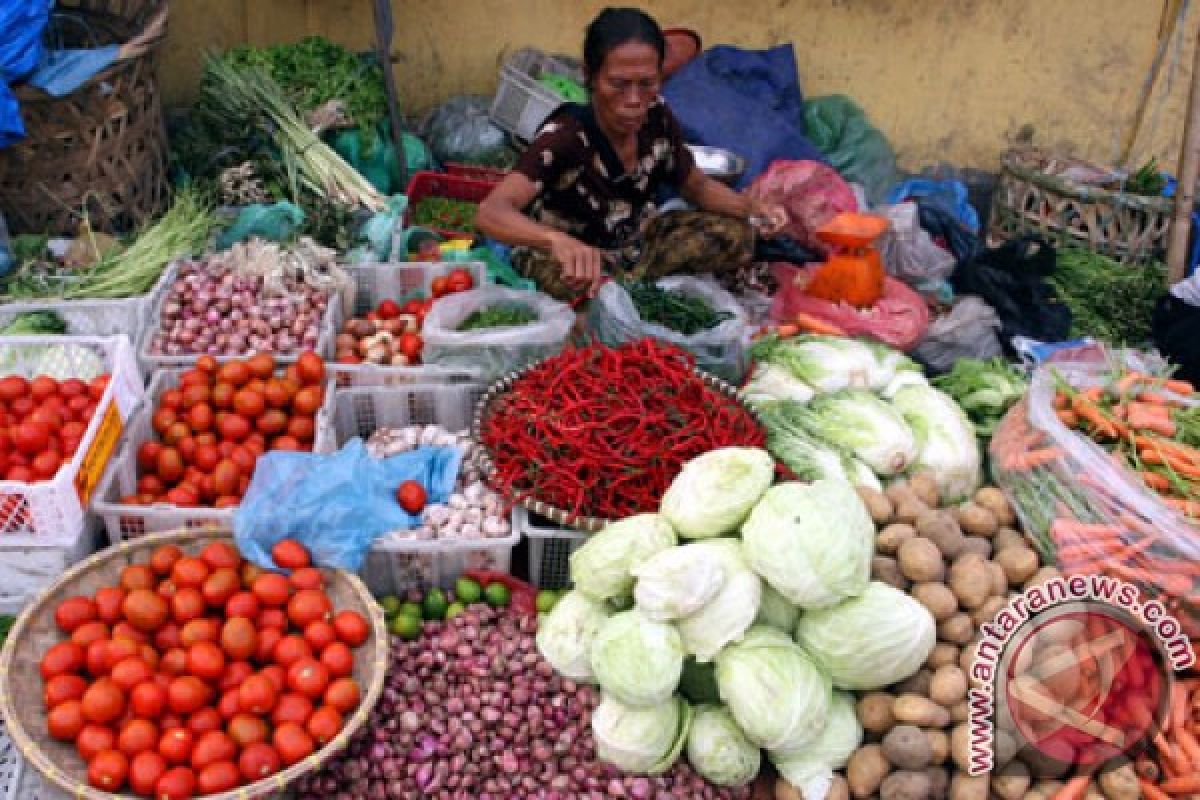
(614, 27)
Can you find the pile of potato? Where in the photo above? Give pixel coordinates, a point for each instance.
(962, 564)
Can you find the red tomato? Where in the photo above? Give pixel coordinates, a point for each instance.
(230, 705)
(307, 401)
(246, 729)
(410, 345)
(319, 635)
(145, 770)
(45, 465)
(273, 618)
(62, 688)
(31, 437)
(222, 396)
(138, 736)
(242, 604)
(48, 416)
(145, 610)
(103, 702)
(176, 745)
(220, 586)
(257, 695)
(187, 604)
(169, 465)
(440, 286)
(108, 770)
(206, 661)
(174, 661)
(351, 627)
(249, 403)
(387, 309)
(207, 364)
(276, 675)
(234, 427)
(129, 672)
(98, 387)
(257, 761)
(290, 554)
(411, 497)
(307, 578)
(21, 474)
(308, 677)
(239, 638)
(459, 280)
(73, 612)
(307, 606)
(42, 388)
(151, 484)
(108, 604)
(190, 572)
(302, 429)
(311, 368)
(294, 708)
(90, 632)
(235, 673)
(95, 739)
(61, 659)
(236, 373)
(272, 590)
(148, 700)
(65, 720)
(219, 777)
(293, 743)
(324, 725)
(13, 387)
(205, 720)
(187, 694)
(167, 637)
(225, 478)
(291, 648)
(176, 784)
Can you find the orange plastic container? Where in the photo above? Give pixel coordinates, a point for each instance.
(854, 271)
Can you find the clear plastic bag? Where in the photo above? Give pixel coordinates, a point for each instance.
(336, 504)
(1086, 509)
(969, 330)
(909, 252)
(460, 130)
(614, 319)
(494, 352)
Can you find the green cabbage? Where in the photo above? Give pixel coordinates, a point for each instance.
(890, 365)
(777, 611)
(812, 542)
(714, 492)
(769, 383)
(810, 769)
(565, 634)
(637, 660)
(728, 615)
(719, 751)
(826, 363)
(600, 566)
(641, 740)
(808, 458)
(901, 381)
(878, 638)
(946, 443)
(679, 580)
(773, 689)
(861, 423)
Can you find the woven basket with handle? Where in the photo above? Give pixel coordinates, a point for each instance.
(35, 631)
(101, 151)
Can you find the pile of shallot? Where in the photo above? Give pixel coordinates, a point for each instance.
(471, 710)
(254, 297)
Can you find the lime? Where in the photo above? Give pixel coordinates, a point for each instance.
(405, 626)
(454, 609)
(468, 591)
(496, 594)
(435, 604)
(390, 605)
(411, 609)
(546, 600)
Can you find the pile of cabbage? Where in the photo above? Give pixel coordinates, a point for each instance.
(859, 411)
(733, 621)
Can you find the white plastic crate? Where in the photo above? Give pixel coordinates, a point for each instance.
(550, 550)
(375, 282)
(52, 512)
(394, 566)
(521, 103)
(126, 315)
(123, 521)
(25, 570)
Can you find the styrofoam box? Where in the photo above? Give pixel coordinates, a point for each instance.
(394, 566)
(124, 521)
(550, 550)
(25, 570)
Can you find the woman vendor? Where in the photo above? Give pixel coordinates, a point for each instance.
(581, 201)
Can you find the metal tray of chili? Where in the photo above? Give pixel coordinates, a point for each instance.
(596, 434)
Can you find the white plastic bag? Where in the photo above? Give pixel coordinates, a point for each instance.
(720, 350)
(970, 330)
(494, 352)
(909, 252)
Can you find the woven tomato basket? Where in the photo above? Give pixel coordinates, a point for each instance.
(35, 631)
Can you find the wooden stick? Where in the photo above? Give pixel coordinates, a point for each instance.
(1174, 11)
(1189, 168)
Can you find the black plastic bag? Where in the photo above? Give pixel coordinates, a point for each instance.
(1176, 332)
(784, 248)
(1012, 280)
(942, 224)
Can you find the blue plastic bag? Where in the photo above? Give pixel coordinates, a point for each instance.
(336, 505)
(21, 26)
(950, 195)
(276, 222)
(61, 72)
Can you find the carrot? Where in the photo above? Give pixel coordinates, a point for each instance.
(1061, 401)
(1179, 387)
(1093, 394)
(1068, 417)
(811, 324)
(1155, 399)
(1074, 789)
(1142, 421)
(1178, 707)
(1181, 451)
(787, 331)
(1186, 783)
(1129, 380)
(1152, 792)
(1150, 410)
(1156, 481)
(1189, 508)
(1189, 746)
(1036, 458)
(1181, 466)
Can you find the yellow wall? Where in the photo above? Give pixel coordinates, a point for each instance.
(944, 79)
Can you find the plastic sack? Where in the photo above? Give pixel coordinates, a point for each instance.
(908, 251)
(811, 192)
(336, 504)
(968, 330)
(613, 318)
(854, 147)
(21, 26)
(899, 319)
(949, 195)
(375, 157)
(1082, 507)
(494, 352)
(277, 222)
(1176, 331)
(460, 131)
(63, 71)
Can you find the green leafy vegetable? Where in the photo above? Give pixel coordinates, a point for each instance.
(984, 389)
(6, 623)
(1148, 180)
(1110, 301)
(445, 213)
(498, 317)
(35, 323)
(686, 313)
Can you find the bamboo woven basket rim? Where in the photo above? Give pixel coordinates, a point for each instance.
(1094, 194)
(553, 513)
(37, 757)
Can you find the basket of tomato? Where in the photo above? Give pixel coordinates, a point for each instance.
(191, 449)
(169, 667)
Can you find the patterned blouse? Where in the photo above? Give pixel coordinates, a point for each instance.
(584, 189)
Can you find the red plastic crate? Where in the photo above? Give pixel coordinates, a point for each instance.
(453, 187)
(478, 173)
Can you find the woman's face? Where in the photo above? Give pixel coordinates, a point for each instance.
(625, 86)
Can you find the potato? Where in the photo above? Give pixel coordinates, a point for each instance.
(924, 486)
(1012, 781)
(785, 791)
(1043, 790)
(886, 569)
(948, 687)
(865, 770)
(966, 656)
(921, 561)
(988, 611)
(907, 747)
(1043, 766)
(993, 500)
(1041, 576)
(1004, 745)
(920, 711)
(838, 788)
(906, 785)
(936, 597)
(943, 653)
(1120, 783)
(957, 629)
(960, 746)
(939, 782)
(977, 545)
(968, 787)
(890, 538)
(976, 520)
(1019, 564)
(917, 683)
(970, 580)
(900, 493)
(999, 579)
(1006, 538)
(939, 746)
(940, 528)
(877, 503)
(905, 503)
(875, 712)
(960, 712)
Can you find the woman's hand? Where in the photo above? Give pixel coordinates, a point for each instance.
(582, 265)
(767, 218)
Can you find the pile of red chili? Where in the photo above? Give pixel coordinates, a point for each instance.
(602, 432)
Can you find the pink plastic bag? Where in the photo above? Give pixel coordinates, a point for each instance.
(811, 192)
(899, 319)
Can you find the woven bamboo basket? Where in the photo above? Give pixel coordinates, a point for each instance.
(34, 632)
(1130, 228)
(101, 151)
